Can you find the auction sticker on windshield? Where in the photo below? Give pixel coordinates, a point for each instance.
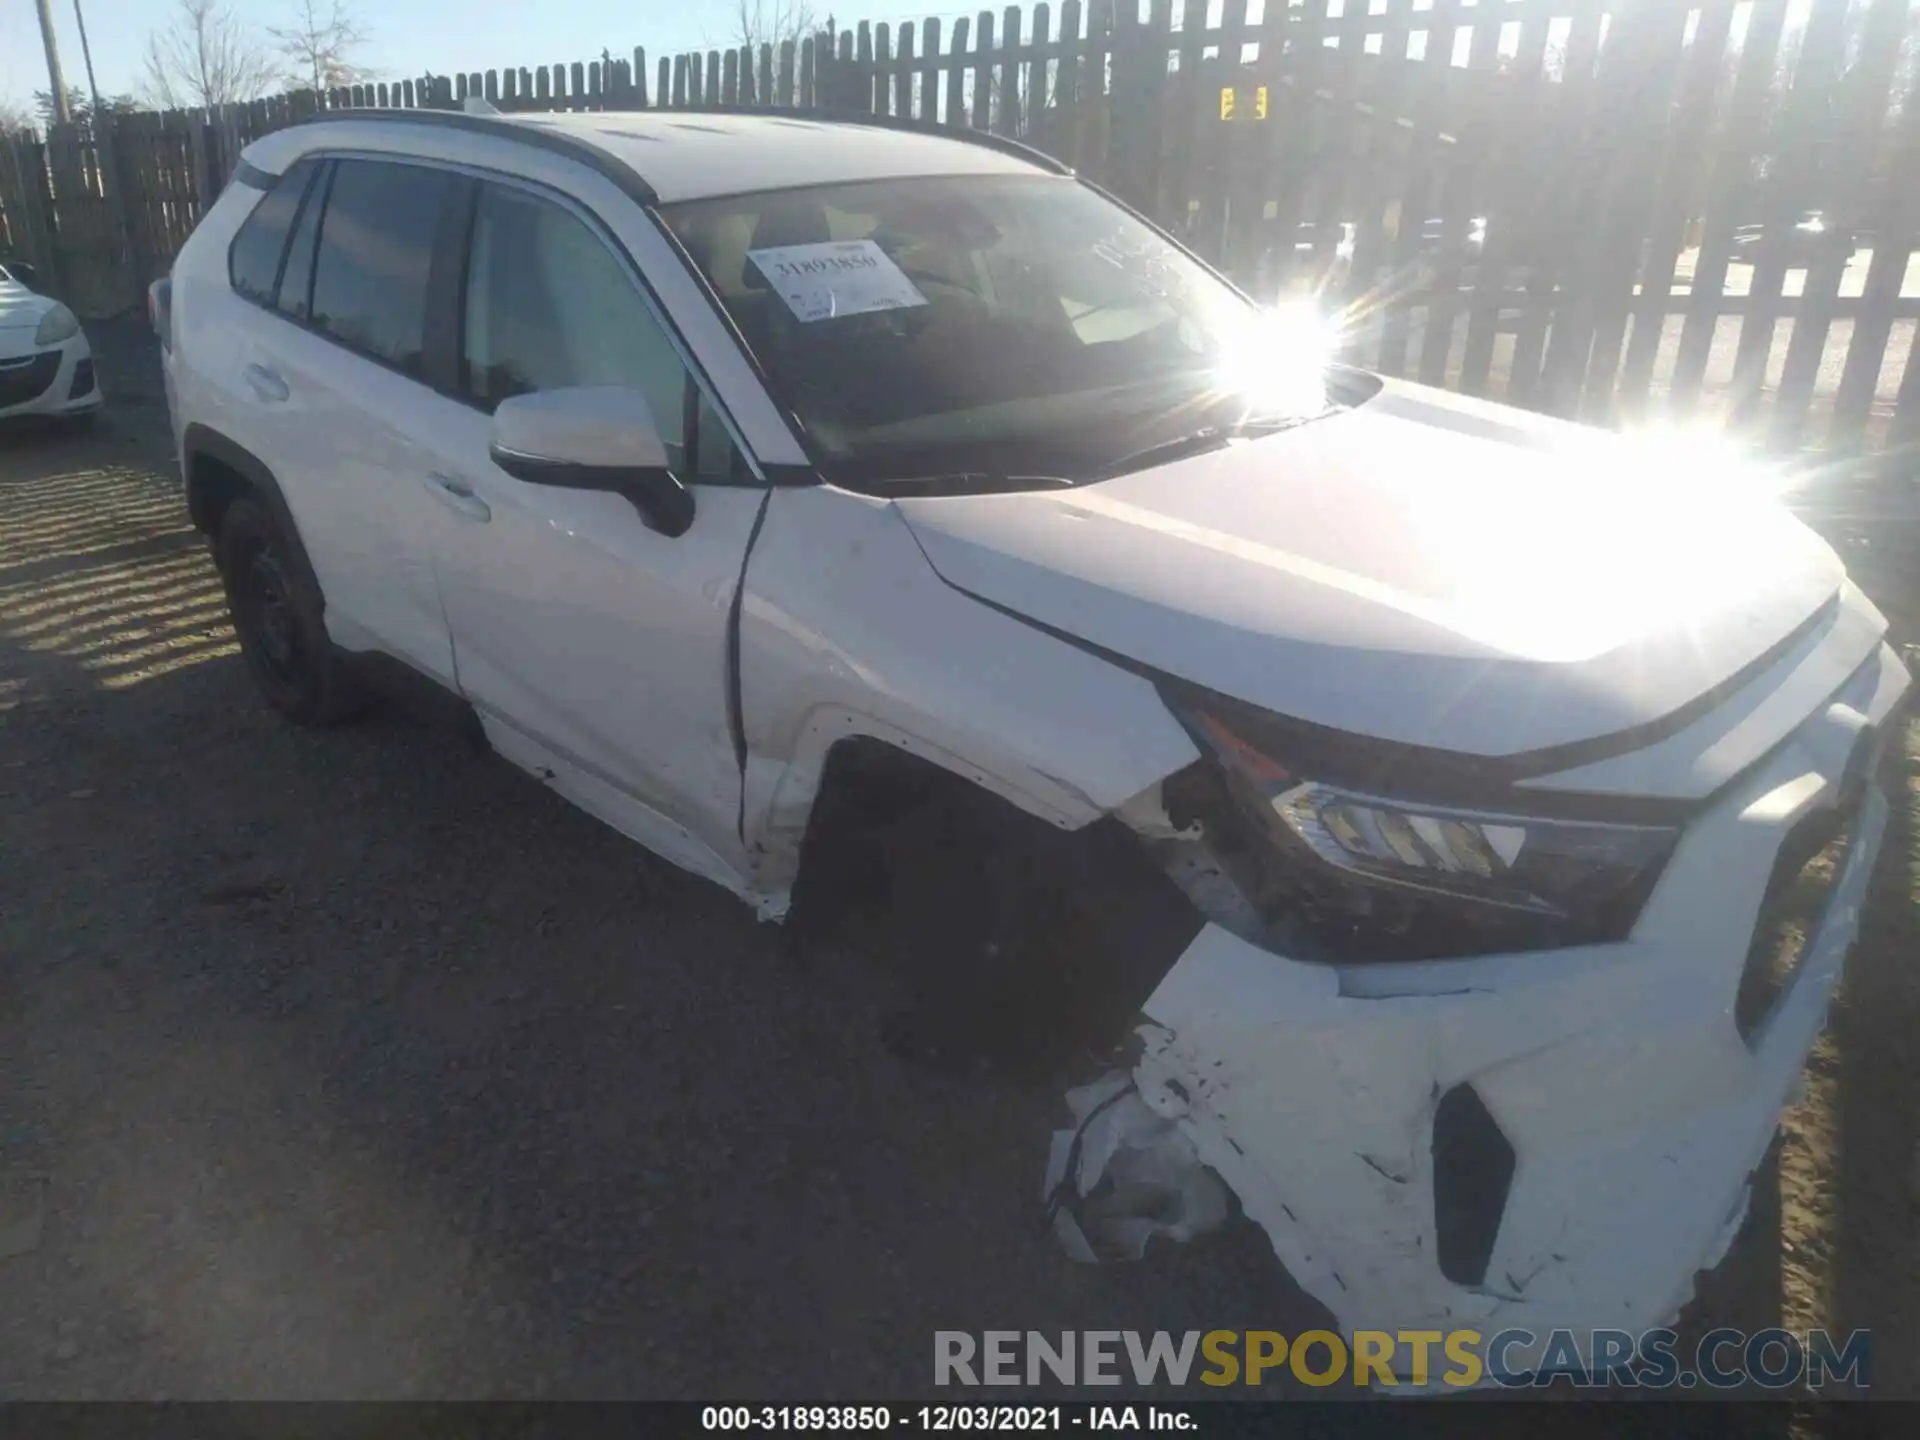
(838, 277)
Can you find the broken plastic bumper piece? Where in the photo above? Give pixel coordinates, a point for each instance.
(1539, 1140)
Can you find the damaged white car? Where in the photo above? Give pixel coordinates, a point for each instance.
(1426, 783)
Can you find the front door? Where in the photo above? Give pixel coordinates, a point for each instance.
(594, 647)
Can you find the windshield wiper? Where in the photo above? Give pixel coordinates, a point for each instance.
(975, 482)
(1201, 442)
(1187, 446)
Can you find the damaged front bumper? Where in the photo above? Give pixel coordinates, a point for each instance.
(1545, 1140)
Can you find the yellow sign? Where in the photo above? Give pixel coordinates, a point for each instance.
(1230, 103)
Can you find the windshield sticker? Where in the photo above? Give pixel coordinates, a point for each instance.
(837, 278)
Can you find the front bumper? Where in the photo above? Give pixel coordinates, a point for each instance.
(58, 380)
(1633, 1105)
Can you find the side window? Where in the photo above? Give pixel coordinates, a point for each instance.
(549, 306)
(376, 249)
(296, 277)
(253, 260)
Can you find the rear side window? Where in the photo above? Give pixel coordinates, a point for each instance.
(376, 252)
(253, 262)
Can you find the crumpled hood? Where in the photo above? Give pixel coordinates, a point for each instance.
(1425, 569)
(20, 308)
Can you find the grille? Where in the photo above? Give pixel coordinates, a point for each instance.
(20, 383)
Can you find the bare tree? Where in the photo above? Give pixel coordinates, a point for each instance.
(206, 56)
(14, 119)
(770, 22)
(318, 44)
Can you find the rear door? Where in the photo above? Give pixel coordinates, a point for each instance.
(338, 384)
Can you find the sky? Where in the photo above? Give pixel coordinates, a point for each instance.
(408, 37)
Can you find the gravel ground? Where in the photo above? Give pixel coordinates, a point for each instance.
(354, 1064)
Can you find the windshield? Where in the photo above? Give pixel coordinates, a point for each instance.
(996, 329)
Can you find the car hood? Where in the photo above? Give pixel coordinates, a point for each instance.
(1424, 569)
(20, 308)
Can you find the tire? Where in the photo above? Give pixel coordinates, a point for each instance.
(276, 607)
(1027, 947)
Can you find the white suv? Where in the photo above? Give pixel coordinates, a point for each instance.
(1424, 779)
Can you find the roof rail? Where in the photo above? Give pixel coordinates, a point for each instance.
(560, 142)
(595, 157)
(965, 134)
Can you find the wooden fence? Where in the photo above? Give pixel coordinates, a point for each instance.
(1551, 202)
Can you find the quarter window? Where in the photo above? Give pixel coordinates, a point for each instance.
(296, 276)
(253, 261)
(549, 306)
(376, 252)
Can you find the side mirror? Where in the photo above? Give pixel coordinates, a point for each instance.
(600, 437)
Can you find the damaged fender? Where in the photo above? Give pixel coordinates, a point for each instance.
(1061, 734)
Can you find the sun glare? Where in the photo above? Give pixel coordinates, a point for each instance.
(1278, 361)
(1702, 460)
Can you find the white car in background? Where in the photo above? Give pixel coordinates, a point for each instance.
(1423, 782)
(46, 365)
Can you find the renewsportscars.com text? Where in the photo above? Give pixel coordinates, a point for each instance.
(1415, 1359)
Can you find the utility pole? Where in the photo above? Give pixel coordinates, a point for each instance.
(55, 79)
(86, 55)
(101, 124)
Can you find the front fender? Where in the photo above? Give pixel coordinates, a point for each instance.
(846, 631)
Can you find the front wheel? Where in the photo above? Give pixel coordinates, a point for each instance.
(276, 608)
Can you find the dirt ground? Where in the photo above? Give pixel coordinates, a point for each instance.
(354, 1064)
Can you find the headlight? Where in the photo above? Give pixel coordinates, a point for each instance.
(1549, 867)
(56, 325)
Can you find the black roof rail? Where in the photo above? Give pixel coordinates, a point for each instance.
(630, 181)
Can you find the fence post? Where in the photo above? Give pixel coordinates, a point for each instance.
(113, 183)
(1136, 107)
(24, 177)
(1635, 78)
(860, 83)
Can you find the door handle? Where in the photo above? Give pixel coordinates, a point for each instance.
(457, 495)
(265, 382)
